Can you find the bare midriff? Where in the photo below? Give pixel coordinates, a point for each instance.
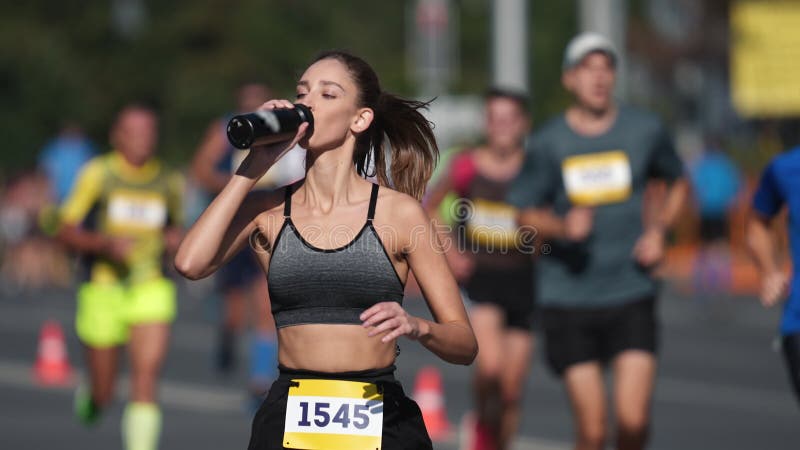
(333, 348)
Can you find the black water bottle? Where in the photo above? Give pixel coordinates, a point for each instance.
(267, 126)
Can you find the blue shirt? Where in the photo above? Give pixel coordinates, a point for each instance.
(715, 181)
(61, 161)
(780, 185)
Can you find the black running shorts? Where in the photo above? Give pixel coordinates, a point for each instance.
(791, 354)
(403, 427)
(512, 290)
(577, 335)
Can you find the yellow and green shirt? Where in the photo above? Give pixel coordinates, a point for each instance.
(115, 198)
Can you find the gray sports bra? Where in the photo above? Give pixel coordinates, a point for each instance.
(308, 284)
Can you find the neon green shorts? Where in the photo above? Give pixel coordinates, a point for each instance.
(106, 311)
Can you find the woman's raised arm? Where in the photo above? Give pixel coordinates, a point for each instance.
(225, 226)
(220, 232)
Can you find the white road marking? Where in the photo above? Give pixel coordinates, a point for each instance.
(173, 394)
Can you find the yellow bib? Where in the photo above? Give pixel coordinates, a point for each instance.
(597, 178)
(493, 225)
(136, 211)
(333, 415)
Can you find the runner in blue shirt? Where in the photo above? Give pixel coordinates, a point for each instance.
(779, 187)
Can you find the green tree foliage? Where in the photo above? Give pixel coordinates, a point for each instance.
(552, 24)
(66, 61)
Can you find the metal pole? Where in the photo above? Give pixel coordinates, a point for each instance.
(510, 44)
(609, 18)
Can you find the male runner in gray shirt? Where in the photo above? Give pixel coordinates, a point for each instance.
(582, 188)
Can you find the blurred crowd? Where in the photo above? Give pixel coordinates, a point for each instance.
(707, 253)
(28, 201)
(32, 260)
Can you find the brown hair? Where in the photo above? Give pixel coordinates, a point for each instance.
(519, 97)
(413, 146)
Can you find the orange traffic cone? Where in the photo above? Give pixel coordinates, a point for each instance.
(52, 367)
(429, 395)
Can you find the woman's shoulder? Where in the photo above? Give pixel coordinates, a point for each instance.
(267, 203)
(399, 207)
(403, 218)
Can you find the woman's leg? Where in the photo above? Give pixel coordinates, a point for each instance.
(516, 364)
(487, 323)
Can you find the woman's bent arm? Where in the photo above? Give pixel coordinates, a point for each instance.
(226, 225)
(450, 335)
(219, 233)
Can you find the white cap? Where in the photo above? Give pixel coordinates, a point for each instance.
(585, 43)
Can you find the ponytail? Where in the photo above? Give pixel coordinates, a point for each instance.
(412, 144)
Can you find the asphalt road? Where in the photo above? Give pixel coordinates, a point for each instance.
(721, 384)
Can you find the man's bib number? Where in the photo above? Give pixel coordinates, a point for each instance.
(597, 178)
(333, 414)
(136, 210)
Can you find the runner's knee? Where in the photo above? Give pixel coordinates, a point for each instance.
(592, 436)
(488, 371)
(633, 425)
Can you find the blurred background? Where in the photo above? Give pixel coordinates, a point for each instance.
(721, 73)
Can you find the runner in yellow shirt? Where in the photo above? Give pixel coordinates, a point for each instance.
(123, 215)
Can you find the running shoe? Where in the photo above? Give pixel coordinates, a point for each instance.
(484, 437)
(475, 435)
(86, 411)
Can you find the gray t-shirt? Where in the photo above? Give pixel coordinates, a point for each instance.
(563, 169)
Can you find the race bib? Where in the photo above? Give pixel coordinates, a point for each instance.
(131, 210)
(597, 178)
(333, 415)
(492, 224)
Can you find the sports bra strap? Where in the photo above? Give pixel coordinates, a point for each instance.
(287, 204)
(373, 200)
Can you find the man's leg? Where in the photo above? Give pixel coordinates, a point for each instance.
(263, 343)
(233, 283)
(141, 422)
(151, 308)
(102, 367)
(100, 324)
(634, 378)
(234, 312)
(586, 391)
